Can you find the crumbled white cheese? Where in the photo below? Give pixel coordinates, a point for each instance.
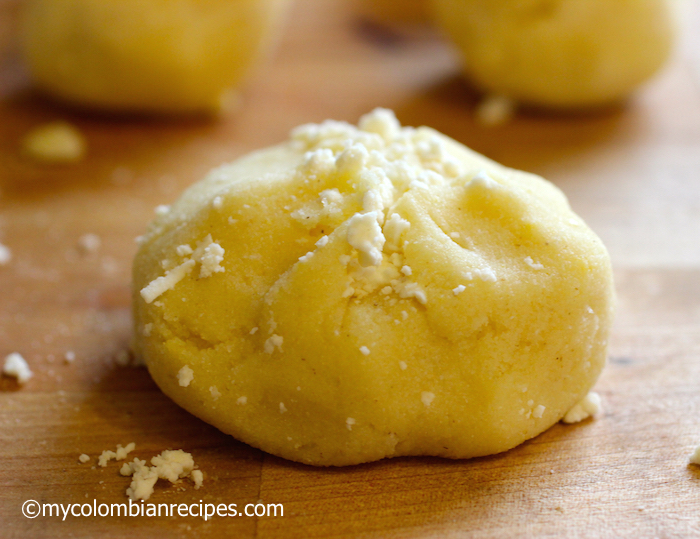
(198, 478)
(308, 256)
(122, 358)
(364, 350)
(427, 398)
(254, 331)
(482, 179)
(84, 458)
(394, 228)
(454, 235)
(485, 274)
(459, 289)
(402, 365)
(242, 400)
(215, 393)
(349, 422)
(383, 122)
(184, 376)
(533, 264)
(162, 210)
(538, 411)
(275, 341)
(210, 258)
(89, 243)
(56, 142)
(365, 235)
(120, 454)
(217, 203)
(283, 408)
(352, 160)
(5, 255)
(495, 110)
(695, 457)
(184, 250)
(413, 290)
(162, 284)
(407, 271)
(171, 465)
(16, 367)
(589, 406)
(322, 242)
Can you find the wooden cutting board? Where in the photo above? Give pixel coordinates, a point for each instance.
(633, 173)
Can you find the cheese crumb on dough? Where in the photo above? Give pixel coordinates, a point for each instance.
(459, 289)
(160, 285)
(364, 350)
(5, 255)
(56, 142)
(242, 400)
(365, 235)
(349, 422)
(215, 393)
(171, 465)
(533, 264)
(538, 411)
(275, 341)
(184, 376)
(208, 254)
(589, 406)
(427, 398)
(16, 367)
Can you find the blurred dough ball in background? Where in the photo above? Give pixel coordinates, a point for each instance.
(395, 11)
(163, 56)
(559, 53)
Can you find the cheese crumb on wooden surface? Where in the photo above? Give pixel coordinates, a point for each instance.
(184, 376)
(589, 406)
(16, 367)
(120, 454)
(171, 465)
(5, 255)
(84, 458)
(695, 457)
(55, 142)
(89, 243)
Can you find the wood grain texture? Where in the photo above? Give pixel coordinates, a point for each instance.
(633, 173)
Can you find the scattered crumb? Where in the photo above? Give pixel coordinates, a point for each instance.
(494, 110)
(122, 358)
(364, 350)
(349, 422)
(170, 465)
(184, 376)
(275, 341)
(459, 289)
(16, 367)
(5, 255)
(84, 458)
(427, 398)
(695, 457)
(242, 400)
(402, 365)
(538, 411)
(89, 243)
(55, 142)
(69, 356)
(283, 408)
(120, 454)
(215, 393)
(589, 406)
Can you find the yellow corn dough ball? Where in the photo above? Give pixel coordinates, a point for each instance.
(396, 11)
(559, 53)
(163, 56)
(375, 291)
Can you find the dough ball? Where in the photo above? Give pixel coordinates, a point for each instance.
(396, 11)
(559, 53)
(163, 56)
(371, 292)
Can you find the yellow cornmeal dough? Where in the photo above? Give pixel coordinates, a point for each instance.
(164, 56)
(371, 292)
(559, 53)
